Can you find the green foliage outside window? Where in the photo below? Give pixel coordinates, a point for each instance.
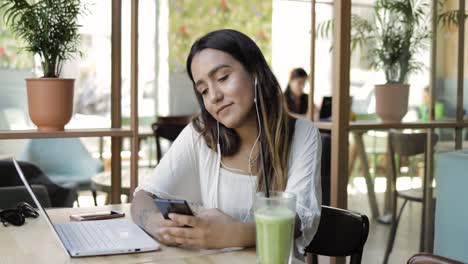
(10, 55)
(191, 19)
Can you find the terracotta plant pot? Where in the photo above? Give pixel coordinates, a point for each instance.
(391, 101)
(50, 102)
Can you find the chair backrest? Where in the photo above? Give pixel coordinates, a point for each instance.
(426, 258)
(407, 144)
(62, 159)
(169, 127)
(340, 233)
(59, 196)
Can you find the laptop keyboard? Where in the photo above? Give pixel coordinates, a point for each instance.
(85, 235)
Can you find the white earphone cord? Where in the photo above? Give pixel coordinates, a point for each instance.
(252, 185)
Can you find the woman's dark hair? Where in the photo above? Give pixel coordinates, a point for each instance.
(277, 126)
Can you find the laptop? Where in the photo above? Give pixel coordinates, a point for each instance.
(326, 109)
(99, 237)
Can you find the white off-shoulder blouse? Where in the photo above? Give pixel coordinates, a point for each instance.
(190, 170)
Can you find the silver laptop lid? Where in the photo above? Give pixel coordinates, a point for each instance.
(38, 204)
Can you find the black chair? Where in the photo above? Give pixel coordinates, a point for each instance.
(60, 196)
(341, 233)
(168, 127)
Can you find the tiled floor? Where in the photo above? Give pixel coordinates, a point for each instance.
(407, 239)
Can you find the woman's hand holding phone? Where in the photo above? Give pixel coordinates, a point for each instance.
(163, 221)
(161, 225)
(211, 229)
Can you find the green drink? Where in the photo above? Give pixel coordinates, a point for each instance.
(274, 220)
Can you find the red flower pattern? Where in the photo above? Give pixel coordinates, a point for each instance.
(183, 30)
(224, 5)
(262, 35)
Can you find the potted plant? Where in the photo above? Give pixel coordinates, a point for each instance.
(397, 31)
(49, 29)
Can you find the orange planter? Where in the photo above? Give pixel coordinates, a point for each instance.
(391, 101)
(50, 102)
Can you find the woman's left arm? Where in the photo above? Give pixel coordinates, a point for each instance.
(304, 180)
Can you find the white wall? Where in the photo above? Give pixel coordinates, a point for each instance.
(174, 92)
(290, 38)
(182, 99)
(291, 44)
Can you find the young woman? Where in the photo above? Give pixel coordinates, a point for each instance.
(296, 100)
(218, 161)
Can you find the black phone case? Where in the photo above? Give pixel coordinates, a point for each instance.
(168, 206)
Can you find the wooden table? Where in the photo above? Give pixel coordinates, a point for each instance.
(34, 243)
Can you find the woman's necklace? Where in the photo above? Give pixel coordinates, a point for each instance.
(251, 163)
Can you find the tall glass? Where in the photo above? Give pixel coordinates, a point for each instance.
(274, 220)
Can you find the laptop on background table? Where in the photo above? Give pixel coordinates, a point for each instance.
(325, 112)
(94, 238)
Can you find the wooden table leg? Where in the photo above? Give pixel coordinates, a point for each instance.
(107, 201)
(352, 159)
(388, 191)
(361, 150)
(428, 217)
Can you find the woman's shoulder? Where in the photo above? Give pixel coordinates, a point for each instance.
(192, 133)
(305, 143)
(198, 141)
(304, 126)
(305, 132)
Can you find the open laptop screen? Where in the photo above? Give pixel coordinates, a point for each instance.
(93, 238)
(326, 109)
(37, 203)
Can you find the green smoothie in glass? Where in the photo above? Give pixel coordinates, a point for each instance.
(275, 231)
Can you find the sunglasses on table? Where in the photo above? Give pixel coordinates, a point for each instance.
(17, 215)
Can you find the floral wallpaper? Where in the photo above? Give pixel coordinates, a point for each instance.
(191, 19)
(11, 56)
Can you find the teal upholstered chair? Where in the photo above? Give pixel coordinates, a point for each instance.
(64, 160)
(451, 215)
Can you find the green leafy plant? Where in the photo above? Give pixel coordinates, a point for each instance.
(397, 31)
(10, 57)
(191, 19)
(49, 29)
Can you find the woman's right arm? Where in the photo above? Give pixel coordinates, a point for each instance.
(146, 215)
(175, 177)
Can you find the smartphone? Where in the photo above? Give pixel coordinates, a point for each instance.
(173, 206)
(100, 215)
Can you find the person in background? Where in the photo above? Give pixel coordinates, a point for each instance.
(439, 108)
(296, 99)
